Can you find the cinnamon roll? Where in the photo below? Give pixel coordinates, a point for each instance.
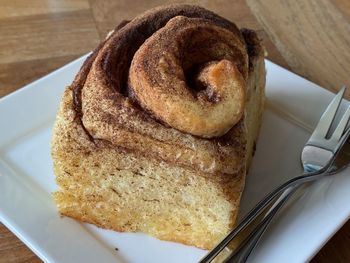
(157, 130)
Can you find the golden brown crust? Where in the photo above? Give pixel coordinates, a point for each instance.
(120, 167)
(159, 68)
(106, 113)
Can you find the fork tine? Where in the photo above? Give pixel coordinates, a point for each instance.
(327, 118)
(341, 126)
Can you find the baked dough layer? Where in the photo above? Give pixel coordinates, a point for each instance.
(120, 167)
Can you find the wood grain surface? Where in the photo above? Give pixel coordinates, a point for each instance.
(309, 37)
(313, 36)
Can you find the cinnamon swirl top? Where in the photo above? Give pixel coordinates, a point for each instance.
(158, 76)
(163, 80)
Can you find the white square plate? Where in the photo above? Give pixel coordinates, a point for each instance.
(26, 180)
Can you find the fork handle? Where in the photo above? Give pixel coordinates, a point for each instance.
(258, 212)
(241, 253)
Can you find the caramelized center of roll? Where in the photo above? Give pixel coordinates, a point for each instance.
(191, 74)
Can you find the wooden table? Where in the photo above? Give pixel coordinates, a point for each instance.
(308, 37)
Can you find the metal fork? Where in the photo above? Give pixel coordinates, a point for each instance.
(317, 157)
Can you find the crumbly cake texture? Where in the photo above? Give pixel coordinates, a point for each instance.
(120, 168)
